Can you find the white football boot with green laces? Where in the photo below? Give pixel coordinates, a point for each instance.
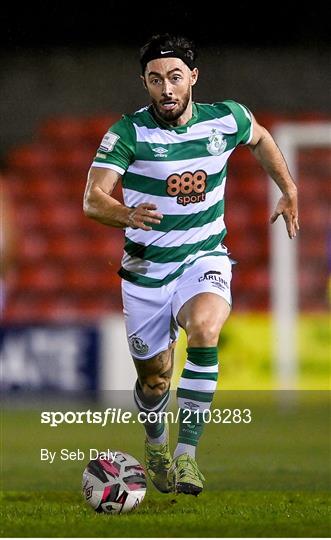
(184, 476)
(158, 460)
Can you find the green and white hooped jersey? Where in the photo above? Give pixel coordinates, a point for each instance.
(182, 170)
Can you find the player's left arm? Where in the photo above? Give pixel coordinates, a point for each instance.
(268, 154)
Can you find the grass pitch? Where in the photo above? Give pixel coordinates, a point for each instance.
(268, 478)
(212, 514)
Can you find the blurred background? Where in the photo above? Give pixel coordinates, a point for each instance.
(66, 74)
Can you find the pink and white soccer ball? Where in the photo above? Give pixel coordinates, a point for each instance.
(114, 487)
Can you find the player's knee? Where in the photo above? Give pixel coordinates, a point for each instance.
(202, 333)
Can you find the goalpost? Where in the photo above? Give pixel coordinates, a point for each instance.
(290, 137)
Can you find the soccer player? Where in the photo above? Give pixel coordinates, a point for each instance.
(171, 158)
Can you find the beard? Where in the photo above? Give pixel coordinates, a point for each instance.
(172, 116)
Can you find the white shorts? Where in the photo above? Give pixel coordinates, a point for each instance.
(151, 312)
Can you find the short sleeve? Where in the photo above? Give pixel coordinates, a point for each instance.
(244, 121)
(117, 148)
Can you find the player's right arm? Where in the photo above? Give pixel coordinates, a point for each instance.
(101, 206)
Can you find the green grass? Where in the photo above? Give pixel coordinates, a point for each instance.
(270, 478)
(264, 479)
(220, 514)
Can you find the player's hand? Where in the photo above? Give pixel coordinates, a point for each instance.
(288, 207)
(142, 214)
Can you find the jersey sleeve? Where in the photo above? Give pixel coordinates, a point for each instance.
(244, 121)
(117, 148)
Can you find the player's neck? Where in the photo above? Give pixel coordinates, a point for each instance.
(186, 116)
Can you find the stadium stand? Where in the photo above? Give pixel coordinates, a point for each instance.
(67, 266)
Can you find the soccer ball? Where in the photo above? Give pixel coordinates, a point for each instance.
(114, 487)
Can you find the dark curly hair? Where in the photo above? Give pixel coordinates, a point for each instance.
(165, 45)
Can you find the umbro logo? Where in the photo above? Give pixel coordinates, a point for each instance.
(88, 492)
(160, 152)
(191, 405)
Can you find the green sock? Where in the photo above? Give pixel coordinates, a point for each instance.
(195, 392)
(154, 430)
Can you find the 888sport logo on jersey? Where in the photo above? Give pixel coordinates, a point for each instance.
(188, 187)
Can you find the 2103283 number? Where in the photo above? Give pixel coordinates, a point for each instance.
(218, 416)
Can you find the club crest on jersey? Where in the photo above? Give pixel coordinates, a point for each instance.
(138, 346)
(160, 152)
(217, 143)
